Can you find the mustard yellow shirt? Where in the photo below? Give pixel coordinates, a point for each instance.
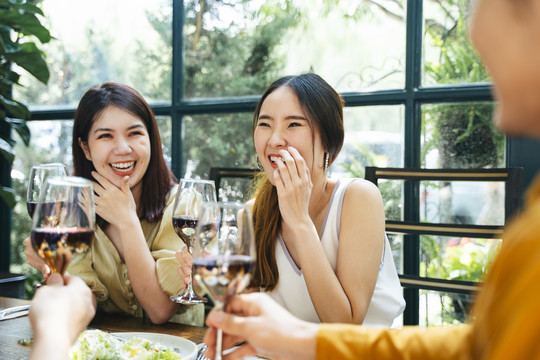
(107, 275)
(505, 320)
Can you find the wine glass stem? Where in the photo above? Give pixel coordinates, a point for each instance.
(219, 338)
(189, 287)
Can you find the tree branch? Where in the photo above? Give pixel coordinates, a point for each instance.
(386, 10)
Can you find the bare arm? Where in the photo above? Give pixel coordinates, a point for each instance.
(118, 208)
(343, 296)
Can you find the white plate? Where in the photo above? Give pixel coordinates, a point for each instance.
(188, 349)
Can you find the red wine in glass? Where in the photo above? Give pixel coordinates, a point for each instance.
(58, 245)
(64, 221)
(189, 198)
(224, 276)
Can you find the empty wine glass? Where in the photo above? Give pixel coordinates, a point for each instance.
(224, 253)
(64, 221)
(36, 180)
(192, 194)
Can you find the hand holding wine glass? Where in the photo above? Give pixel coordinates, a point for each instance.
(36, 181)
(64, 228)
(190, 197)
(224, 253)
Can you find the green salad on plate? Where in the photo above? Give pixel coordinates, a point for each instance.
(97, 344)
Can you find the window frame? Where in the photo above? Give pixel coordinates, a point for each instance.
(412, 96)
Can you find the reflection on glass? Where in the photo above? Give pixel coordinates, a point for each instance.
(461, 136)
(462, 202)
(449, 57)
(465, 259)
(217, 140)
(440, 308)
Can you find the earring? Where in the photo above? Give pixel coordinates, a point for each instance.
(258, 163)
(326, 157)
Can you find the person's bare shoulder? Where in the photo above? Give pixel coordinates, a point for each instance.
(250, 204)
(364, 191)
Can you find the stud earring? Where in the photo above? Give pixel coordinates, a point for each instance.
(326, 157)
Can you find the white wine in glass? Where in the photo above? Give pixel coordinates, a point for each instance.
(63, 230)
(192, 194)
(224, 253)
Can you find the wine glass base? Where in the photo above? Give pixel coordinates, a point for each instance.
(189, 299)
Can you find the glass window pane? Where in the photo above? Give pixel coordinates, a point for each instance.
(373, 137)
(235, 189)
(217, 140)
(238, 47)
(165, 131)
(462, 202)
(461, 136)
(396, 243)
(392, 195)
(440, 308)
(449, 57)
(127, 41)
(455, 258)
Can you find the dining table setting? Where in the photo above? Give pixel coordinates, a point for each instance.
(16, 333)
(218, 235)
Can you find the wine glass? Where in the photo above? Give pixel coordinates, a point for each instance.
(190, 197)
(36, 180)
(64, 221)
(224, 253)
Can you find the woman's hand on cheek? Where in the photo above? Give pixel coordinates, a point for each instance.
(293, 184)
(112, 203)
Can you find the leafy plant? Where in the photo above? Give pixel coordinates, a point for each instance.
(19, 27)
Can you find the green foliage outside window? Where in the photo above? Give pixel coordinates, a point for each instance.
(19, 28)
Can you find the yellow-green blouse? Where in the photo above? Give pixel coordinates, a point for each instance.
(107, 276)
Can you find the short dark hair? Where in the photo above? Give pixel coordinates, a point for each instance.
(158, 179)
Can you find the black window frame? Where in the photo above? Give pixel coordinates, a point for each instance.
(412, 96)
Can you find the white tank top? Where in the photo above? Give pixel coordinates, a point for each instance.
(291, 292)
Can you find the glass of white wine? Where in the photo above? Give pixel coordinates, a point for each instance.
(224, 253)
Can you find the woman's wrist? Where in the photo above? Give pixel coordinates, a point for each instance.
(303, 344)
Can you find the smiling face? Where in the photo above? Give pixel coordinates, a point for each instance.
(506, 34)
(118, 145)
(282, 123)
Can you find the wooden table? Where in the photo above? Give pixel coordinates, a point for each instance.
(12, 330)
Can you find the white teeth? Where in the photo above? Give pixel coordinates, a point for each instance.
(274, 158)
(125, 166)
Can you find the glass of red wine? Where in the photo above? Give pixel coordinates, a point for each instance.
(64, 221)
(224, 253)
(192, 194)
(36, 180)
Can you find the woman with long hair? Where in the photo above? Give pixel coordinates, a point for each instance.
(322, 252)
(131, 266)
